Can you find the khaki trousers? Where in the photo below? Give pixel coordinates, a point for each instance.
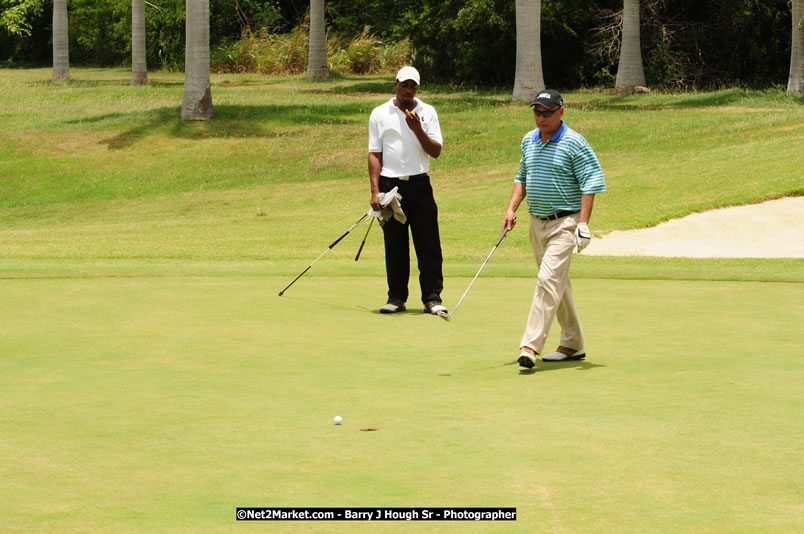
(553, 243)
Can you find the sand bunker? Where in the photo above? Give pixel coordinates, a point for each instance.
(773, 229)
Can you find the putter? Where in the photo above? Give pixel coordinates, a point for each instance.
(364, 239)
(325, 251)
(448, 317)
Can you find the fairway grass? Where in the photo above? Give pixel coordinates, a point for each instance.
(162, 404)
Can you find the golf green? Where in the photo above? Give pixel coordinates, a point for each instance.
(164, 403)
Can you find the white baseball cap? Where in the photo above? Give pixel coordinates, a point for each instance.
(408, 73)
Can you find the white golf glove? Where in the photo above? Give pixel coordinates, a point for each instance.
(582, 236)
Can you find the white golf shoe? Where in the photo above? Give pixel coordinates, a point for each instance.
(561, 357)
(435, 308)
(526, 359)
(393, 306)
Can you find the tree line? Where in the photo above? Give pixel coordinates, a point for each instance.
(684, 43)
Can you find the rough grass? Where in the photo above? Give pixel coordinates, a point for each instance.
(96, 171)
(664, 155)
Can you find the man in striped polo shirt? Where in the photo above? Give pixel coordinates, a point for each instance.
(559, 175)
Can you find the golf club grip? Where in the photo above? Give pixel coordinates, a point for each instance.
(363, 243)
(502, 236)
(347, 231)
(339, 239)
(360, 250)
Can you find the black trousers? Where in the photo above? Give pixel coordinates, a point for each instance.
(422, 213)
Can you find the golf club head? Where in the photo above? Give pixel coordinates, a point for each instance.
(445, 316)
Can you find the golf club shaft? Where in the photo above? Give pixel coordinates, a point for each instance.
(502, 236)
(325, 251)
(364, 239)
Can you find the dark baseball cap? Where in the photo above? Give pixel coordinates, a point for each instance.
(549, 98)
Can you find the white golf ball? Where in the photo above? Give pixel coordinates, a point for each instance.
(338, 420)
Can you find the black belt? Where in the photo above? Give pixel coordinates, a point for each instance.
(558, 215)
(406, 178)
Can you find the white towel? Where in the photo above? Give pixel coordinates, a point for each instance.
(391, 208)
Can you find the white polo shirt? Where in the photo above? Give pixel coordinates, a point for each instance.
(402, 154)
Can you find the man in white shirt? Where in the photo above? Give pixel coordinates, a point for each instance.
(403, 134)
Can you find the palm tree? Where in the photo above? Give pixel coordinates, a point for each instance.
(197, 103)
(795, 83)
(61, 42)
(139, 69)
(317, 56)
(528, 79)
(629, 71)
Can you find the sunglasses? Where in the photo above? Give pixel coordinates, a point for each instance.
(546, 114)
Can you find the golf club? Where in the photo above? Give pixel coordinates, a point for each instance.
(325, 251)
(364, 239)
(448, 317)
(385, 199)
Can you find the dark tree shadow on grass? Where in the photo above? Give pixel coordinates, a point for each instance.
(372, 87)
(78, 83)
(632, 102)
(428, 93)
(269, 121)
(157, 83)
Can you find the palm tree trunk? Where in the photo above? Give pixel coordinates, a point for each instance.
(795, 83)
(61, 42)
(139, 69)
(629, 71)
(317, 56)
(528, 79)
(197, 103)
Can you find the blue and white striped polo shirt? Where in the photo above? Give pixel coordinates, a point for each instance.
(558, 172)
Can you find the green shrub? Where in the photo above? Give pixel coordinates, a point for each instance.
(265, 53)
(269, 53)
